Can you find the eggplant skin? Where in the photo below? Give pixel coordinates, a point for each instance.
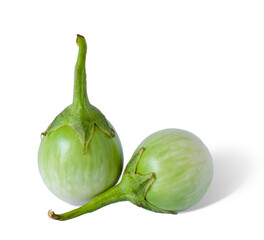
(182, 165)
(73, 176)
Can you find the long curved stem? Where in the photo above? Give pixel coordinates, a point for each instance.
(112, 195)
(133, 187)
(80, 93)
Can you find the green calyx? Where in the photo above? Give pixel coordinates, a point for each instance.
(81, 116)
(133, 187)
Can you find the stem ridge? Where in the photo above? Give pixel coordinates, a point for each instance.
(80, 96)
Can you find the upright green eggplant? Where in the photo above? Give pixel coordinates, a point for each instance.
(80, 154)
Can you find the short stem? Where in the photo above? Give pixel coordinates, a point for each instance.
(80, 93)
(112, 195)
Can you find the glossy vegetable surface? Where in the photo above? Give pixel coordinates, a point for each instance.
(169, 172)
(80, 154)
(182, 166)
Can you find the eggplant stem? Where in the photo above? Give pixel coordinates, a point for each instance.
(133, 187)
(80, 96)
(112, 195)
(52, 215)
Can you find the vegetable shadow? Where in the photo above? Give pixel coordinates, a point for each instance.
(231, 170)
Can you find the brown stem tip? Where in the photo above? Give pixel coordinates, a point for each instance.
(53, 215)
(79, 37)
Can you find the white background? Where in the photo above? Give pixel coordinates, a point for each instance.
(194, 65)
